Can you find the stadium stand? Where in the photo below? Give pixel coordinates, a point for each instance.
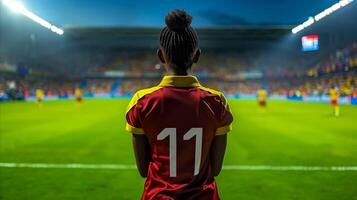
(115, 62)
(336, 70)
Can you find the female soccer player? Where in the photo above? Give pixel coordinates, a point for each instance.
(39, 96)
(78, 94)
(179, 127)
(334, 101)
(262, 97)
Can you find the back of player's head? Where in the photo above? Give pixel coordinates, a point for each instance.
(178, 40)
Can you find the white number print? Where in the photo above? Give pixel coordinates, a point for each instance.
(198, 133)
(171, 133)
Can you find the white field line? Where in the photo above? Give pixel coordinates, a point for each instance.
(132, 167)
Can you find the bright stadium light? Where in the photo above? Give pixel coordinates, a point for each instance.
(321, 15)
(18, 7)
(303, 25)
(14, 6)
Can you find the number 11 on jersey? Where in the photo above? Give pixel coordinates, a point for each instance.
(171, 133)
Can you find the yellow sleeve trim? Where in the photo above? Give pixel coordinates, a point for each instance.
(224, 130)
(140, 94)
(134, 130)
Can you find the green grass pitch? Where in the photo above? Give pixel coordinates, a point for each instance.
(284, 134)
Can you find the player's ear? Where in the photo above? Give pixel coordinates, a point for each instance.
(197, 55)
(160, 55)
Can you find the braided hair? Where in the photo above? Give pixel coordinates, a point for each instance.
(179, 40)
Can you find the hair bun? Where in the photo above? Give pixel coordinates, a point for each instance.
(178, 20)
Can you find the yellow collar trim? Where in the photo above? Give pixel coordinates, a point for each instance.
(179, 81)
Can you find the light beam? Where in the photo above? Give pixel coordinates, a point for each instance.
(321, 15)
(18, 7)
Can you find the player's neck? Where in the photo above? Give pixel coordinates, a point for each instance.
(177, 73)
(181, 74)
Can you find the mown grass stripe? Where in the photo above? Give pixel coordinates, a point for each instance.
(226, 167)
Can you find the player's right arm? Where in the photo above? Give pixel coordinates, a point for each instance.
(142, 153)
(140, 142)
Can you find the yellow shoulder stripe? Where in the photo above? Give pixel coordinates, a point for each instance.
(225, 129)
(218, 93)
(140, 94)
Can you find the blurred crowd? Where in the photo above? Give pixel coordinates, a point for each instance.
(231, 74)
(312, 86)
(212, 64)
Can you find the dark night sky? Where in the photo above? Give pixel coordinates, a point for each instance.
(150, 13)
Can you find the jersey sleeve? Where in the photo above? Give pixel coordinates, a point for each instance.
(224, 117)
(133, 117)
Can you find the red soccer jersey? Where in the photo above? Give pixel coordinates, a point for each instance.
(180, 118)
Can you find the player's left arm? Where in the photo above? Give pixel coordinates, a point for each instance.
(218, 150)
(224, 125)
(142, 153)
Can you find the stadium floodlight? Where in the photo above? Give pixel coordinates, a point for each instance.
(321, 15)
(303, 25)
(18, 7)
(14, 6)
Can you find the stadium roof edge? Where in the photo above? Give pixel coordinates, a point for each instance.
(146, 37)
(243, 27)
